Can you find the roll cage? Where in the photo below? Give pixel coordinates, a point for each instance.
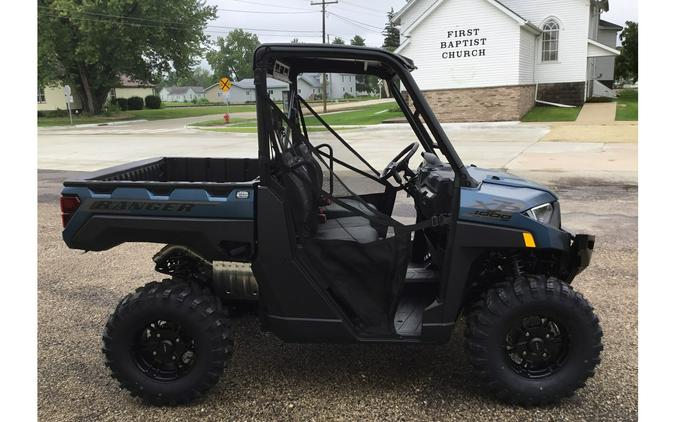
(391, 68)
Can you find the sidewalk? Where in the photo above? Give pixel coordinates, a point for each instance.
(597, 113)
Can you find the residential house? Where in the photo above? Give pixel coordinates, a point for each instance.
(53, 97)
(214, 94)
(309, 87)
(181, 94)
(128, 88)
(243, 91)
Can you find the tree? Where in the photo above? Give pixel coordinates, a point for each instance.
(627, 62)
(338, 41)
(392, 35)
(234, 55)
(358, 41)
(195, 77)
(295, 41)
(89, 44)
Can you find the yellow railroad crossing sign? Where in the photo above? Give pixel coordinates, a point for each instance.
(225, 84)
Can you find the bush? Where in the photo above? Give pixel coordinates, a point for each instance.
(122, 104)
(111, 108)
(153, 101)
(53, 113)
(348, 95)
(135, 103)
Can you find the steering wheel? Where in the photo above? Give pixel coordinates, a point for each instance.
(400, 163)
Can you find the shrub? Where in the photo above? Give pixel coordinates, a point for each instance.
(111, 108)
(153, 101)
(53, 113)
(348, 95)
(135, 103)
(123, 104)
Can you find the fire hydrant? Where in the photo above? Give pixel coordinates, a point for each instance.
(226, 117)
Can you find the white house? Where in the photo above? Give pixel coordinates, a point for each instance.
(181, 94)
(243, 91)
(489, 60)
(341, 85)
(309, 87)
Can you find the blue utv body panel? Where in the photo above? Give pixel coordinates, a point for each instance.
(501, 198)
(206, 204)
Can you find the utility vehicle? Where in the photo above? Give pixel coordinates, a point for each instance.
(306, 231)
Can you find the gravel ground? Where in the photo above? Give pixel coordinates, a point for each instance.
(270, 380)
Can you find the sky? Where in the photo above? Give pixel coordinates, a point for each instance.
(621, 11)
(298, 19)
(277, 21)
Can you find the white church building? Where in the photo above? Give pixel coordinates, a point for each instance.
(480, 60)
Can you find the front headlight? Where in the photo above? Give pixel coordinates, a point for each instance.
(542, 213)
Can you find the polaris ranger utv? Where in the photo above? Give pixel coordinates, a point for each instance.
(306, 231)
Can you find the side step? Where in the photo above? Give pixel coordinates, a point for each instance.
(408, 319)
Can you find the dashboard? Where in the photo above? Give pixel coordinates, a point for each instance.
(433, 186)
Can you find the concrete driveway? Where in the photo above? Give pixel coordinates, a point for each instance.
(521, 148)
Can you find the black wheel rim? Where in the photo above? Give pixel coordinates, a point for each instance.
(537, 346)
(164, 350)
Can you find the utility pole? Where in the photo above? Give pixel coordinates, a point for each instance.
(323, 4)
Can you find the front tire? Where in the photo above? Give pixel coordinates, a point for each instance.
(168, 343)
(534, 340)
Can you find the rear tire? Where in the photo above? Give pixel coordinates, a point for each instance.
(168, 343)
(533, 341)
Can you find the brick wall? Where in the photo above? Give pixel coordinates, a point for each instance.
(568, 93)
(503, 103)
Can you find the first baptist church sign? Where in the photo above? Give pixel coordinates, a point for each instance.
(463, 43)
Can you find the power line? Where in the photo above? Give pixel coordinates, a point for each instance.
(267, 13)
(357, 22)
(358, 25)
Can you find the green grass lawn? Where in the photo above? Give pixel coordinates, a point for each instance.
(541, 113)
(627, 105)
(221, 122)
(254, 129)
(370, 115)
(81, 120)
(147, 114)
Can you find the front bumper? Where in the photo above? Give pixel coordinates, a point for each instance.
(581, 250)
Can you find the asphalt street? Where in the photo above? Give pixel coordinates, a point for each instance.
(270, 380)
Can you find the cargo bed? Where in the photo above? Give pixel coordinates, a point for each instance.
(206, 204)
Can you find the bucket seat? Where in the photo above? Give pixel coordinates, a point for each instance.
(303, 195)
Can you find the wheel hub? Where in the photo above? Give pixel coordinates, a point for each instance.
(536, 346)
(164, 350)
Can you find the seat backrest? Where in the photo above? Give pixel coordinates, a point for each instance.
(302, 195)
(311, 166)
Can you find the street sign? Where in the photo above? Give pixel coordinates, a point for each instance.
(225, 84)
(67, 92)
